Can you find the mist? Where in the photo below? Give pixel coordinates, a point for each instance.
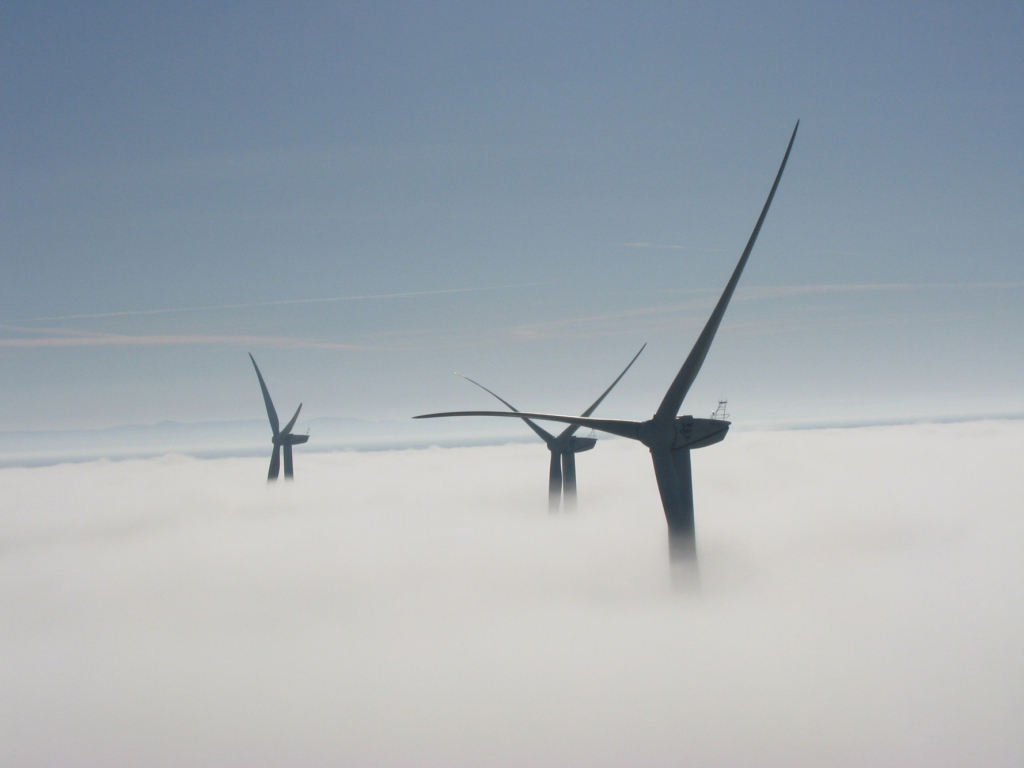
(860, 604)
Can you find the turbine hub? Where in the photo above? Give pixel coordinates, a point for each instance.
(657, 433)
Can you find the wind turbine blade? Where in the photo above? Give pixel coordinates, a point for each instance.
(288, 427)
(288, 473)
(569, 482)
(554, 482)
(568, 431)
(275, 463)
(271, 413)
(604, 394)
(673, 400)
(618, 427)
(672, 469)
(542, 433)
(485, 389)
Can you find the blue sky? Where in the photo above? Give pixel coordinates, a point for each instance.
(589, 171)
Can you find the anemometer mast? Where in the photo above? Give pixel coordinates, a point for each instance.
(719, 412)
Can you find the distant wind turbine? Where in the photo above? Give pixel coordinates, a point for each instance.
(563, 447)
(282, 437)
(668, 436)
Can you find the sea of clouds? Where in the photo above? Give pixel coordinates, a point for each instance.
(861, 603)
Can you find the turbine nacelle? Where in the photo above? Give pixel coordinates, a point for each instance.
(700, 433)
(682, 432)
(288, 439)
(579, 444)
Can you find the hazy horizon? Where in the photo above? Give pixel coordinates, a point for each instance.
(251, 437)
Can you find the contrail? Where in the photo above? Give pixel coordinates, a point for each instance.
(121, 340)
(279, 303)
(783, 291)
(669, 247)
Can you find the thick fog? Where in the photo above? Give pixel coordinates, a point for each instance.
(862, 603)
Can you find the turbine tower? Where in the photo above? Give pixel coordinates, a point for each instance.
(563, 447)
(282, 437)
(668, 436)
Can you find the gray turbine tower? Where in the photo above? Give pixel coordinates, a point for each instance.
(668, 436)
(282, 437)
(563, 447)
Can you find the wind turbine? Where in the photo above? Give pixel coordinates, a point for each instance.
(563, 446)
(668, 436)
(282, 437)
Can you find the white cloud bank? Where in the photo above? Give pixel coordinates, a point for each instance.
(862, 604)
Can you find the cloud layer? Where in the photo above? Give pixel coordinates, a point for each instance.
(861, 604)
